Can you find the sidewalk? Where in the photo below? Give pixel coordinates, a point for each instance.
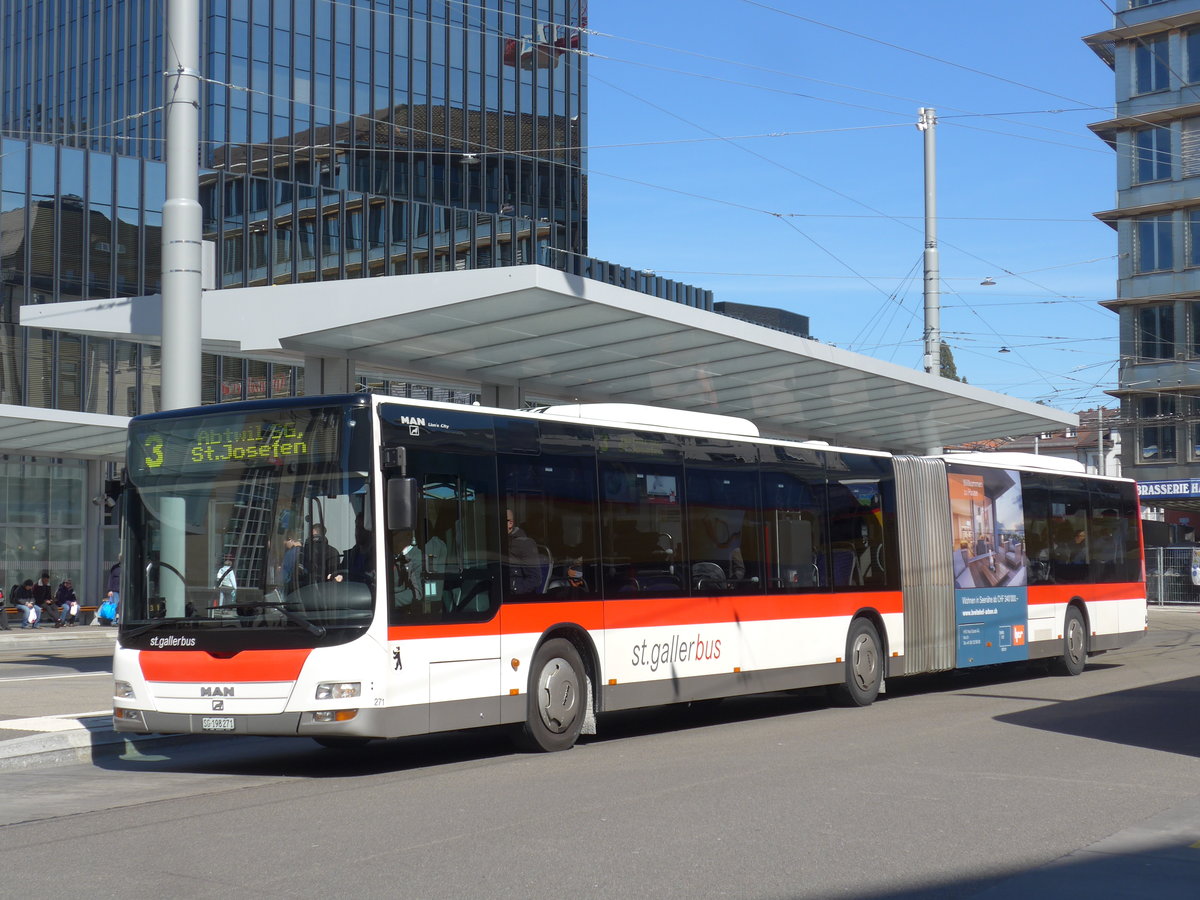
(33, 638)
(62, 738)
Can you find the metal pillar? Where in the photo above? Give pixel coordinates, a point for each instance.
(933, 325)
(182, 232)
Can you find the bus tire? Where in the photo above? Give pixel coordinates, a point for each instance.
(557, 696)
(1075, 644)
(864, 666)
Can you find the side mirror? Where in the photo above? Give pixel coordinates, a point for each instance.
(402, 494)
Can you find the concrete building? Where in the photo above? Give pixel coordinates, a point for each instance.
(1154, 50)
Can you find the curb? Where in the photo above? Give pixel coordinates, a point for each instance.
(37, 640)
(85, 745)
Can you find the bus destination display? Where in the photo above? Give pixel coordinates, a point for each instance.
(214, 444)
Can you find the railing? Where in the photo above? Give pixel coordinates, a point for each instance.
(1169, 576)
(642, 281)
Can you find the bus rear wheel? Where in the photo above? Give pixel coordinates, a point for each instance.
(1075, 644)
(557, 696)
(864, 666)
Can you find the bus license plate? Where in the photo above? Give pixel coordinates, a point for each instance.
(216, 723)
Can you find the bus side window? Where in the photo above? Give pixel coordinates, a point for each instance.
(1070, 544)
(1113, 526)
(445, 568)
(552, 500)
(796, 545)
(858, 547)
(723, 531)
(1035, 504)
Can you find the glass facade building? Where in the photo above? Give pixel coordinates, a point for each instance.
(339, 139)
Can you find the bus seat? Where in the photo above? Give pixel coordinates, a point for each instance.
(545, 568)
(708, 576)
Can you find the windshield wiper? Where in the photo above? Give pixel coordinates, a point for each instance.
(296, 618)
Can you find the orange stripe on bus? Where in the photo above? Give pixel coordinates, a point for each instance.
(1063, 593)
(535, 617)
(741, 608)
(199, 665)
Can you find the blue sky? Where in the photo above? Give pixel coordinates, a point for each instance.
(824, 218)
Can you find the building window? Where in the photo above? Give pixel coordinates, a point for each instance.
(1193, 238)
(1156, 332)
(1152, 154)
(1194, 442)
(1156, 433)
(1193, 315)
(1191, 44)
(1190, 410)
(1189, 147)
(1151, 70)
(1154, 248)
(1156, 443)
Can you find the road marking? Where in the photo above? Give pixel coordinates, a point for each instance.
(49, 677)
(68, 722)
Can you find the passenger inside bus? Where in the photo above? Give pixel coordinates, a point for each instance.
(409, 572)
(573, 586)
(528, 572)
(319, 559)
(357, 561)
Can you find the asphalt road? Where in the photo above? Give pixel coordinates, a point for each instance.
(55, 679)
(947, 788)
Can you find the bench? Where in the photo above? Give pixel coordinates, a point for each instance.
(12, 614)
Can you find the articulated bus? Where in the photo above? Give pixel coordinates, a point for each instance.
(360, 567)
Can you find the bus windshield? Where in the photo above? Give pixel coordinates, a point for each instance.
(256, 521)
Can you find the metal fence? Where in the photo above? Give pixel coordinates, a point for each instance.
(1169, 576)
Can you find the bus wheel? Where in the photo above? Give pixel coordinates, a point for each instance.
(557, 694)
(864, 666)
(1075, 644)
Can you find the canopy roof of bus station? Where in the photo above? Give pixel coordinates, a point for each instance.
(574, 339)
(56, 432)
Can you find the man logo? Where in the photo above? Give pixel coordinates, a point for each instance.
(218, 705)
(217, 691)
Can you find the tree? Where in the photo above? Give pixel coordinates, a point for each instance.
(946, 366)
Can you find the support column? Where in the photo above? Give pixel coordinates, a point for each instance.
(92, 556)
(182, 225)
(329, 375)
(502, 396)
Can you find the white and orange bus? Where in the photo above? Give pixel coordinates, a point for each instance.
(363, 567)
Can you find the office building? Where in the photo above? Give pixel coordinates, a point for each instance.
(339, 140)
(1154, 50)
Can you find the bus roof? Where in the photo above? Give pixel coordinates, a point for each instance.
(655, 417)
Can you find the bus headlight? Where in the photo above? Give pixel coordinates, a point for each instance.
(338, 690)
(123, 690)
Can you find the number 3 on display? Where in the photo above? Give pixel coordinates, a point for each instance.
(153, 447)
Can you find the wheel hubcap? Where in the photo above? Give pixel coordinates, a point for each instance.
(1075, 641)
(558, 695)
(864, 661)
